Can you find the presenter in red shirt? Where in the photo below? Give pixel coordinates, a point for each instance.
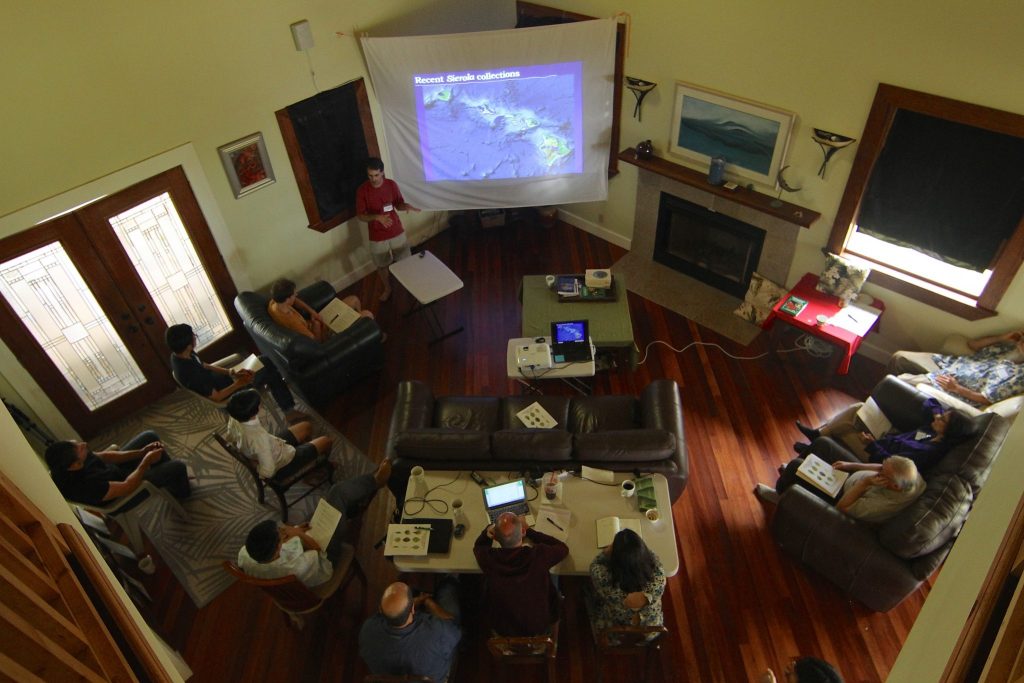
(378, 202)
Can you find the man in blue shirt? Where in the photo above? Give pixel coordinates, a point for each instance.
(413, 635)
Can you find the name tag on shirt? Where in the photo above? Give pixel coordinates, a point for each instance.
(388, 208)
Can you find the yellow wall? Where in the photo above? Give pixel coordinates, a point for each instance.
(821, 60)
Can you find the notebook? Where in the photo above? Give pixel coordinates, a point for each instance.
(510, 497)
(440, 533)
(570, 341)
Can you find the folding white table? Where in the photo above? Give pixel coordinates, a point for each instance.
(588, 501)
(428, 279)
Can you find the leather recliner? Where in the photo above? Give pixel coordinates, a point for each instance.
(315, 371)
(880, 565)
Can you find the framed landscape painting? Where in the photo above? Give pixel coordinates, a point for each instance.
(752, 138)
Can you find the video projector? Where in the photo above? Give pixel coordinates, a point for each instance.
(533, 356)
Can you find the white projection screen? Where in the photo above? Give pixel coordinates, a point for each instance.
(497, 119)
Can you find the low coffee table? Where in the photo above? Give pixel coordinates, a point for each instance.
(610, 324)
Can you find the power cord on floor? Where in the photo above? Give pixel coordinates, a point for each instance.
(814, 347)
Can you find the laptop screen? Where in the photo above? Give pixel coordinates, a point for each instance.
(570, 332)
(505, 494)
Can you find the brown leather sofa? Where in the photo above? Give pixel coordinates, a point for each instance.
(619, 433)
(880, 565)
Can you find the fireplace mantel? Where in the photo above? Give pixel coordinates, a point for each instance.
(791, 213)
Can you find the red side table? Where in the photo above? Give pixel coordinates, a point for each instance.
(819, 303)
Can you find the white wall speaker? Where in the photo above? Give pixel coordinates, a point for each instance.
(302, 34)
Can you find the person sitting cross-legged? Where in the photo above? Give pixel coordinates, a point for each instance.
(217, 383)
(520, 599)
(873, 492)
(96, 478)
(273, 550)
(413, 635)
(275, 455)
(628, 582)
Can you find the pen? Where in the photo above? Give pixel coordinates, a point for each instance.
(553, 524)
(333, 319)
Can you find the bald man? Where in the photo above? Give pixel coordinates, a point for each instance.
(413, 635)
(520, 598)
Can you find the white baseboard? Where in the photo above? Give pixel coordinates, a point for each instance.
(594, 229)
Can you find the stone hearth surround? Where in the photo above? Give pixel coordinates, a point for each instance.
(780, 236)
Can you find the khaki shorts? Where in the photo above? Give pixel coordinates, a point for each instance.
(386, 252)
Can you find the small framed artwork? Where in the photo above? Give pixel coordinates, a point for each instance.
(247, 164)
(752, 138)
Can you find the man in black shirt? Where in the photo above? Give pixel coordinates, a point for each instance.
(216, 383)
(97, 478)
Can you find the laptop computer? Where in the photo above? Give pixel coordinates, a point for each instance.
(508, 497)
(570, 342)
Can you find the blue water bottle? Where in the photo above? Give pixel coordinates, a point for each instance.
(716, 173)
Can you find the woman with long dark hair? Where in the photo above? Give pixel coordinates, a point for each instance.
(628, 582)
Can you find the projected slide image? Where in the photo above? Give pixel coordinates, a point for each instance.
(512, 122)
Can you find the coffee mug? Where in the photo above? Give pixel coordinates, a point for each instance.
(550, 280)
(628, 488)
(417, 480)
(458, 512)
(653, 515)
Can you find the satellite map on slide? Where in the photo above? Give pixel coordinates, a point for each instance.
(518, 128)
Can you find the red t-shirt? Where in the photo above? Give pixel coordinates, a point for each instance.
(370, 199)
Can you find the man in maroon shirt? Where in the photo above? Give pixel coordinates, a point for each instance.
(378, 202)
(520, 598)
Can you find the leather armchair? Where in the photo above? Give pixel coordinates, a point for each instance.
(316, 371)
(880, 565)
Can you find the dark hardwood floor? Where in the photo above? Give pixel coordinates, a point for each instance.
(736, 605)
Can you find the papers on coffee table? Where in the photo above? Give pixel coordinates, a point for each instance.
(554, 522)
(855, 318)
(407, 539)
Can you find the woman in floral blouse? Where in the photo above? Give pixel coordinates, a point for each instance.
(628, 582)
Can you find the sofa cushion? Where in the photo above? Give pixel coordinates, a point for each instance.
(532, 445)
(972, 458)
(630, 445)
(476, 413)
(557, 407)
(931, 520)
(602, 414)
(443, 444)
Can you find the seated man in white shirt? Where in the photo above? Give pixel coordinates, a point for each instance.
(273, 550)
(275, 455)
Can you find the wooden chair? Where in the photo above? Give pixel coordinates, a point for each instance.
(386, 678)
(527, 650)
(279, 485)
(628, 640)
(298, 601)
(128, 520)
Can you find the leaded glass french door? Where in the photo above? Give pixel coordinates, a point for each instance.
(85, 298)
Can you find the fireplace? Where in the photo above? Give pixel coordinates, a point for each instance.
(716, 249)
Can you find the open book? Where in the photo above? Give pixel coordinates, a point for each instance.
(819, 473)
(607, 527)
(874, 419)
(338, 315)
(325, 520)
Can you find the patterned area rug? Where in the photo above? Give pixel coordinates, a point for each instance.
(224, 504)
